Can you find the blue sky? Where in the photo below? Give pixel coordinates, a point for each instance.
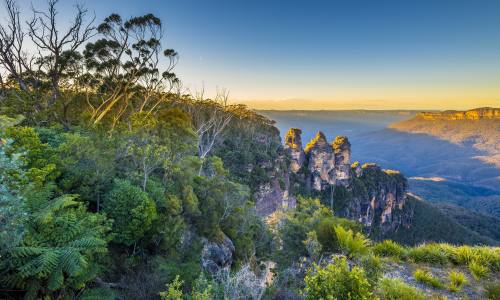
(331, 54)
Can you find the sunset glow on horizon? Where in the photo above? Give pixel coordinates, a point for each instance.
(329, 54)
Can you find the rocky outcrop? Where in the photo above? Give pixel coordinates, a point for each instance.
(216, 256)
(323, 169)
(368, 194)
(269, 197)
(377, 200)
(321, 162)
(342, 153)
(293, 147)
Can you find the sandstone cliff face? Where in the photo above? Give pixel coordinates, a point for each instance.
(342, 152)
(368, 194)
(473, 114)
(321, 162)
(376, 199)
(293, 146)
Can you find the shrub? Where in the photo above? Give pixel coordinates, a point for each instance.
(174, 291)
(132, 211)
(462, 255)
(426, 277)
(478, 270)
(353, 245)
(389, 248)
(492, 290)
(396, 289)
(428, 253)
(336, 281)
(457, 280)
(373, 268)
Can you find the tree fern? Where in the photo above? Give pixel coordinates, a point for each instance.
(60, 247)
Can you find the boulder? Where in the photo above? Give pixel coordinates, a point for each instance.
(217, 255)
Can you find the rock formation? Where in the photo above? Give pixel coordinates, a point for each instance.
(217, 255)
(377, 200)
(323, 169)
(342, 152)
(321, 162)
(293, 146)
(368, 194)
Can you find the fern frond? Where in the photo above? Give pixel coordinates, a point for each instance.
(21, 252)
(87, 243)
(56, 280)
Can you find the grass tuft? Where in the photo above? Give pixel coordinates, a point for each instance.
(426, 277)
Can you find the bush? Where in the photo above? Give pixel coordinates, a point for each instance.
(132, 211)
(389, 248)
(428, 253)
(478, 270)
(492, 290)
(396, 289)
(426, 277)
(373, 268)
(457, 280)
(353, 245)
(336, 281)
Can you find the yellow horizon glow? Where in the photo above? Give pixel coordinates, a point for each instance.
(310, 104)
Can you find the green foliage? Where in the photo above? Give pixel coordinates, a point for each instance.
(174, 290)
(313, 246)
(492, 290)
(431, 224)
(202, 289)
(98, 294)
(456, 281)
(11, 200)
(87, 165)
(337, 281)
(131, 210)
(426, 277)
(478, 270)
(428, 253)
(388, 248)
(61, 246)
(39, 158)
(373, 267)
(396, 289)
(352, 244)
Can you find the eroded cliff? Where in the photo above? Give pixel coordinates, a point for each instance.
(368, 194)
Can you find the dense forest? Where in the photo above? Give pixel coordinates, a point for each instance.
(117, 183)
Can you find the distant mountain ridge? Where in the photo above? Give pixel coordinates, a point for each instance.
(473, 114)
(478, 128)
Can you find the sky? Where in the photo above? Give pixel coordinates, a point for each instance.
(426, 54)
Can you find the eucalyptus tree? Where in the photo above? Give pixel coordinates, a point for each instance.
(125, 63)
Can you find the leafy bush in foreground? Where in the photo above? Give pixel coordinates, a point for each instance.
(353, 245)
(396, 289)
(389, 248)
(337, 281)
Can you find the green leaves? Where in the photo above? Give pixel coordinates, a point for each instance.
(337, 281)
(352, 244)
(132, 211)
